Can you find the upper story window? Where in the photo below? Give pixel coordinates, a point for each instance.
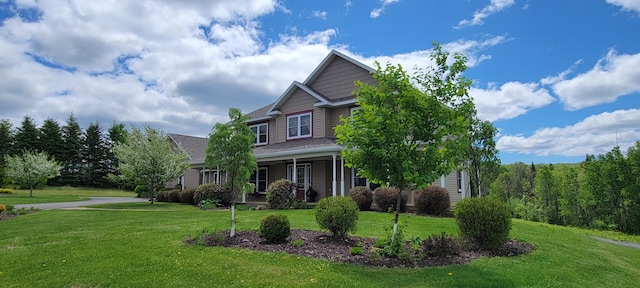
(299, 126)
(262, 131)
(353, 110)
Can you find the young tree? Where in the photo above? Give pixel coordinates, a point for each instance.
(51, 141)
(27, 136)
(72, 160)
(31, 169)
(230, 148)
(149, 158)
(405, 135)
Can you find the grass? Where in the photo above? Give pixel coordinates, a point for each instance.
(60, 194)
(132, 246)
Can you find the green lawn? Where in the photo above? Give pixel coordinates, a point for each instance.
(60, 194)
(135, 245)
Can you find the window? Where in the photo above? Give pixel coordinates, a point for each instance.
(261, 131)
(299, 126)
(353, 110)
(259, 178)
(358, 180)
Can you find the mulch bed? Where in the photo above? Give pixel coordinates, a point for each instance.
(322, 246)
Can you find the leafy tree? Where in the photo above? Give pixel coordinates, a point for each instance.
(6, 144)
(94, 157)
(405, 134)
(230, 148)
(72, 160)
(149, 158)
(27, 137)
(117, 134)
(51, 140)
(632, 191)
(31, 169)
(548, 193)
(483, 163)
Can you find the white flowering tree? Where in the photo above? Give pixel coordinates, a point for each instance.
(31, 169)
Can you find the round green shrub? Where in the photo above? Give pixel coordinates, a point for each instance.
(212, 191)
(363, 197)
(162, 196)
(3, 208)
(174, 195)
(275, 228)
(187, 196)
(280, 194)
(484, 222)
(433, 200)
(338, 215)
(142, 191)
(387, 197)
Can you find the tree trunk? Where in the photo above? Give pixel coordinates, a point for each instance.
(153, 192)
(395, 221)
(30, 189)
(233, 220)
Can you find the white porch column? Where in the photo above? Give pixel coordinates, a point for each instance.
(462, 186)
(442, 182)
(341, 176)
(294, 175)
(334, 188)
(202, 172)
(217, 179)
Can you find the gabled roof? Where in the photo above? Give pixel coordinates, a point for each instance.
(322, 100)
(194, 146)
(327, 60)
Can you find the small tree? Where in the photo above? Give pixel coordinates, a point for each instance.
(150, 158)
(31, 169)
(230, 148)
(409, 134)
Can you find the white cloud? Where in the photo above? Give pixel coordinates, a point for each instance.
(319, 14)
(629, 5)
(478, 16)
(375, 13)
(510, 100)
(561, 76)
(595, 134)
(613, 76)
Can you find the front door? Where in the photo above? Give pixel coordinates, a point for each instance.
(303, 179)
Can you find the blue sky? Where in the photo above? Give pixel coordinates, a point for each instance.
(559, 79)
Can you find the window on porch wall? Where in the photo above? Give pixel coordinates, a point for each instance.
(259, 178)
(302, 171)
(357, 180)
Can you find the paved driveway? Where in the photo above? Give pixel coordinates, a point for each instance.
(76, 204)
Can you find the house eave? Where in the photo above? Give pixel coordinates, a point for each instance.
(300, 153)
(336, 104)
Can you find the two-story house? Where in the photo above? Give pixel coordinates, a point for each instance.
(295, 136)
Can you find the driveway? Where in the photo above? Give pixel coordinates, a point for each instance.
(76, 204)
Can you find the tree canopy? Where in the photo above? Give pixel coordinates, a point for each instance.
(31, 169)
(150, 158)
(409, 130)
(230, 148)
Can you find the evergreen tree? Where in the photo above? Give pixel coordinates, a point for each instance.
(51, 141)
(6, 144)
(94, 157)
(117, 134)
(27, 137)
(72, 160)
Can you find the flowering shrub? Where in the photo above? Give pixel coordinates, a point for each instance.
(6, 191)
(3, 208)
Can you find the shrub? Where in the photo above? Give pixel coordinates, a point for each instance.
(275, 228)
(441, 245)
(142, 191)
(363, 197)
(387, 197)
(186, 196)
(174, 196)
(433, 200)
(162, 196)
(6, 191)
(279, 194)
(211, 192)
(338, 215)
(484, 222)
(3, 208)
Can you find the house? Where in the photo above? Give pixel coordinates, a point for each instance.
(295, 138)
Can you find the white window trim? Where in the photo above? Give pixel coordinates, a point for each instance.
(299, 136)
(258, 143)
(266, 169)
(353, 109)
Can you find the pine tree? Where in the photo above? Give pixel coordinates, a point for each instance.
(94, 157)
(6, 144)
(27, 137)
(72, 160)
(51, 141)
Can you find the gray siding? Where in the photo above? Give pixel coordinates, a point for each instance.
(337, 80)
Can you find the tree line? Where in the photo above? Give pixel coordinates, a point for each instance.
(87, 156)
(602, 192)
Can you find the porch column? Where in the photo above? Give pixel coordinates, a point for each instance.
(217, 178)
(341, 176)
(462, 186)
(294, 175)
(442, 182)
(202, 174)
(334, 184)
